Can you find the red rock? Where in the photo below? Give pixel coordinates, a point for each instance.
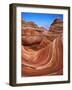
(42, 50)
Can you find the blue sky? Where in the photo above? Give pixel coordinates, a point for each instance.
(41, 19)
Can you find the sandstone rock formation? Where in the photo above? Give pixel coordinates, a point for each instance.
(42, 50)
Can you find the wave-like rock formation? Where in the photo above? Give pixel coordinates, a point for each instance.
(42, 50)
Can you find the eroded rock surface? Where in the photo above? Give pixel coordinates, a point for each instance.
(42, 50)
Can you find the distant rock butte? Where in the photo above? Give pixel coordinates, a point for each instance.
(57, 26)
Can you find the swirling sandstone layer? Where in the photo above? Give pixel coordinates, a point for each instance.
(42, 50)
